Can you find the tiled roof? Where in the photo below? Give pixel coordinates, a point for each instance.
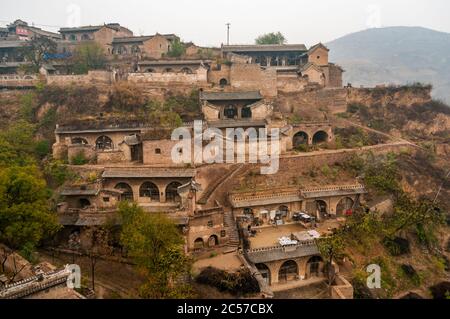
(225, 96)
(318, 45)
(131, 39)
(84, 28)
(173, 62)
(142, 38)
(333, 191)
(150, 172)
(264, 48)
(79, 192)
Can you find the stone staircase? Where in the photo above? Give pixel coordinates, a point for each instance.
(231, 229)
(208, 192)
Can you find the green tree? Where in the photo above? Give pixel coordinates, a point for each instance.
(17, 144)
(177, 49)
(35, 52)
(156, 245)
(25, 216)
(89, 56)
(271, 38)
(331, 248)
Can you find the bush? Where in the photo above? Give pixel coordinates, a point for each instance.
(397, 246)
(43, 148)
(411, 273)
(441, 291)
(239, 283)
(79, 159)
(126, 97)
(177, 49)
(57, 172)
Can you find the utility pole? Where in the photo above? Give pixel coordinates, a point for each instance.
(228, 33)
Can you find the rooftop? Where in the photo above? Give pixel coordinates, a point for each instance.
(150, 172)
(265, 48)
(92, 28)
(136, 39)
(226, 96)
(79, 192)
(173, 62)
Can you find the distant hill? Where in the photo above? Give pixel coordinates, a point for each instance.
(395, 55)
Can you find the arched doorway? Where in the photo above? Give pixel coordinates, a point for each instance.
(313, 266)
(300, 138)
(172, 192)
(213, 241)
(149, 190)
(199, 244)
(321, 209)
(186, 71)
(230, 112)
(223, 82)
(320, 137)
(127, 191)
(344, 207)
(265, 272)
(246, 112)
(79, 141)
(104, 143)
(288, 271)
(84, 202)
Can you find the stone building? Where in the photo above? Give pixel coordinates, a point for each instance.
(266, 206)
(270, 55)
(101, 34)
(142, 47)
(23, 31)
(293, 63)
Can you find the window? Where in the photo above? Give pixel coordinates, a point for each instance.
(148, 189)
(318, 57)
(103, 143)
(180, 151)
(210, 224)
(73, 37)
(106, 199)
(223, 233)
(158, 151)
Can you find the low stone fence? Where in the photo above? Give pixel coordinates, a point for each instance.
(92, 78)
(11, 81)
(343, 289)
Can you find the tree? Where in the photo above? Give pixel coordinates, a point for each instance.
(156, 245)
(331, 248)
(17, 144)
(177, 49)
(35, 52)
(89, 56)
(271, 38)
(25, 216)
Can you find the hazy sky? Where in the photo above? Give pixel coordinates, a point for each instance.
(203, 21)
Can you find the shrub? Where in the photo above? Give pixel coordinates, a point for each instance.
(126, 97)
(177, 49)
(43, 148)
(79, 159)
(397, 246)
(239, 283)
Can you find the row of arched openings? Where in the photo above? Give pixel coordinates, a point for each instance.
(289, 270)
(302, 138)
(150, 190)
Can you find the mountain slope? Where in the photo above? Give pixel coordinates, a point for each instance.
(395, 55)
